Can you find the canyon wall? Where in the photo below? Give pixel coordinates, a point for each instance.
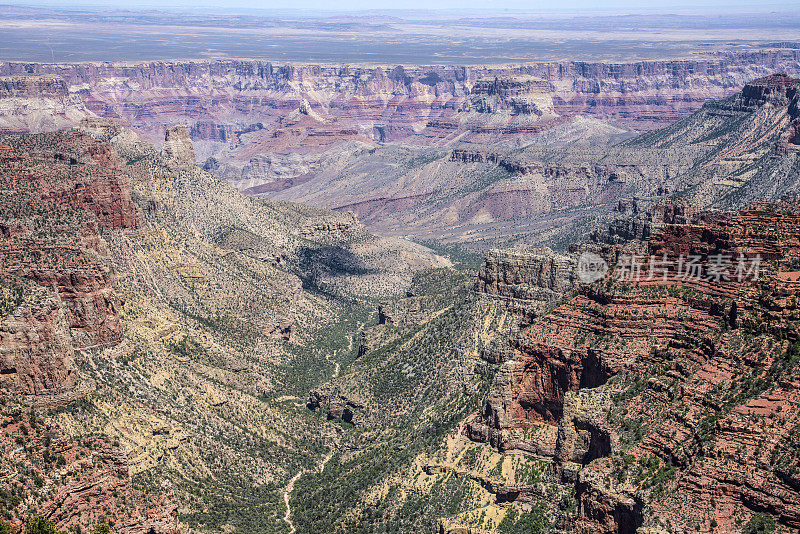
(59, 305)
(387, 103)
(60, 290)
(666, 401)
(320, 134)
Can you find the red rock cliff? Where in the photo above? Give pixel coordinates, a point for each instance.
(57, 294)
(671, 402)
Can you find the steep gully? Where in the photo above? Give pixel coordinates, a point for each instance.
(287, 492)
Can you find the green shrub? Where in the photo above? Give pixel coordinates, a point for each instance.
(534, 522)
(11, 297)
(40, 525)
(760, 523)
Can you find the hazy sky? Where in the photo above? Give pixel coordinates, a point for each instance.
(499, 5)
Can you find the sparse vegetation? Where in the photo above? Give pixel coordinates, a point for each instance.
(40, 525)
(535, 521)
(233, 309)
(760, 523)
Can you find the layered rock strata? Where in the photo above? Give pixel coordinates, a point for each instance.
(684, 405)
(394, 99)
(57, 294)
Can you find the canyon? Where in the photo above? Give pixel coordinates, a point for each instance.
(248, 295)
(229, 98)
(111, 261)
(662, 402)
(654, 404)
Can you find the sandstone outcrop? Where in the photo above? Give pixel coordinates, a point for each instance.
(178, 150)
(777, 89)
(536, 274)
(57, 294)
(336, 405)
(522, 95)
(600, 510)
(36, 103)
(405, 312)
(58, 202)
(36, 352)
(33, 86)
(84, 500)
(85, 480)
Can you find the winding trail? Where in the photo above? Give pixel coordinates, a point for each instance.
(326, 460)
(287, 496)
(287, 492)
(336, 366)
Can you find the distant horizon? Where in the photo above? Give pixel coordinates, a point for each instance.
(511, 7)
(107, 30)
